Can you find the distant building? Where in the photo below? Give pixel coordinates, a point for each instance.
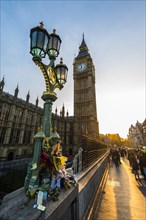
(137, 134)
(19, 119)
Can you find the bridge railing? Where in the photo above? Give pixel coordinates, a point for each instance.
(91, 156)
(93, 149)
(89, 152)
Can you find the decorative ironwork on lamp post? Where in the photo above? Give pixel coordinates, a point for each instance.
(41, 44)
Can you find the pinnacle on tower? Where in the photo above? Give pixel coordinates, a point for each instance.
(16, 92)
(2, 83)
(63, 110)
(27, 97)
(37, 101)
(56, 111)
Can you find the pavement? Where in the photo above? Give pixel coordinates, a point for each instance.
(122, 198)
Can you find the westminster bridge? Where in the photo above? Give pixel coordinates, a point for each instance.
(103, 192)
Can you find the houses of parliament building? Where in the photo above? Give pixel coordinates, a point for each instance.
(19, 119)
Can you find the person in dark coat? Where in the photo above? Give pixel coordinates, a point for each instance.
(135, 166)
(142, 164)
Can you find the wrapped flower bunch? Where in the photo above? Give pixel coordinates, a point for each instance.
(50, 177)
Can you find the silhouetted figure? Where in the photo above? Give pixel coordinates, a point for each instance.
(135, 167)
(116, 158)
(142, 164)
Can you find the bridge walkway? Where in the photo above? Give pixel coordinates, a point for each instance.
(122, 198)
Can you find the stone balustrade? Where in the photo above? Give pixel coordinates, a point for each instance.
(73, 204)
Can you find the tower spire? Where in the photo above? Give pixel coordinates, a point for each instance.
(83, 44)
(83, 49)
(83, 38)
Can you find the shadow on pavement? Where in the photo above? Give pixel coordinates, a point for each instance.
(122, 193)
(142, 187)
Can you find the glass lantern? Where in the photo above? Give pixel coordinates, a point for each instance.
(61, 72)
(54, 45)
(39, 39)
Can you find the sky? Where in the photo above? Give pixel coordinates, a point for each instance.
(115, 35)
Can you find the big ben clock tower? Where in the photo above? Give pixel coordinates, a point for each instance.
(85, 115)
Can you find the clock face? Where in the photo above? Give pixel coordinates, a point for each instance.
(81, 67)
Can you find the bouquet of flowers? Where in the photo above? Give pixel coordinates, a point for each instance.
(51, 175)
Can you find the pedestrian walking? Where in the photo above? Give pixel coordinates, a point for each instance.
(135, 166)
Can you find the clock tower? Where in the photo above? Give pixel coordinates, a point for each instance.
(85, 115)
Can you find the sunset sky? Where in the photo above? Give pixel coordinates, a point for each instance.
(115, 35)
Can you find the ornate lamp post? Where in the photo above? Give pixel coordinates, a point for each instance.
(41, 44)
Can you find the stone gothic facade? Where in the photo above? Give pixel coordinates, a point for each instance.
(19, 119)
(137, 134)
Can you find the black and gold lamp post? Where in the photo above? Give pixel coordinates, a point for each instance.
(41, 44)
